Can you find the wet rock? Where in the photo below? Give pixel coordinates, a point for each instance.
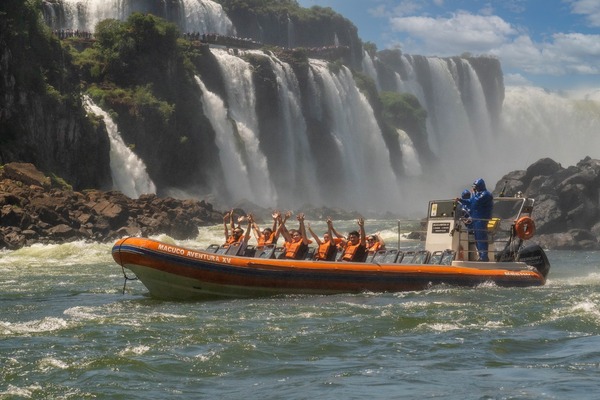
(32, 211)
(567, 208)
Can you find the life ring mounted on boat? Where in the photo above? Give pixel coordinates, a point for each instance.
(525, 228)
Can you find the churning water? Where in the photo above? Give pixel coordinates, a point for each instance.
(69, 331)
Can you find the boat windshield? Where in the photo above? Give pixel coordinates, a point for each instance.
(510, 208)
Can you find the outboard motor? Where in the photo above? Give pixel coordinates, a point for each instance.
(510, 251)
(535, 256)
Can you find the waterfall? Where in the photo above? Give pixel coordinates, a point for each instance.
(366, 169)
(459, 127)
(300, 182)
(410, 157)
(127, 170)
(241, 101)
(368, 68)
(203, 16)
(233, 164)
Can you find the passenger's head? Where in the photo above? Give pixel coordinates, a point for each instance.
(237, 232)
(267, 232)
(295, 234)
(479, 185)
(466, 194)
(354, 237)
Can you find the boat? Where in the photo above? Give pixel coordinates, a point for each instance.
(448, 257)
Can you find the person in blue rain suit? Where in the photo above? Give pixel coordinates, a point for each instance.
(465, 209)
(481, 206)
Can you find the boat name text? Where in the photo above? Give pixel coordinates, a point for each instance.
(193, 254)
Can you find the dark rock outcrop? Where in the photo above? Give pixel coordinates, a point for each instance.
(567, 209)
(32, 210)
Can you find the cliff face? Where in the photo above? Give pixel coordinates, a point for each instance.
(290, 26)
(41, 118)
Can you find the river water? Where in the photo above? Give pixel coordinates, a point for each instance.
(69, 331)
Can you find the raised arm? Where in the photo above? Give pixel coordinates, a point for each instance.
(336, 233)
(282, 228)
(226, 219)
(363, 236)
(300, 218)
(314, 235)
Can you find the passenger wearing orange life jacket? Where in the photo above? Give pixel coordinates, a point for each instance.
(327, 248)
(296, 241)
(356, 247)
(268, 235)
(237, 233)
(375, 243)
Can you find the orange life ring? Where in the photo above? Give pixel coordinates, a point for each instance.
(525, 228)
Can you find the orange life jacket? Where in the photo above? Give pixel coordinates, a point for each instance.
(232, 239)
(326, 251)
(374, 248)
(271, 240)
(294, 249)
(353, 252)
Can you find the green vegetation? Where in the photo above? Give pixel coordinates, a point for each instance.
(137, 64)
(402, 108)
(59, 182)
(43, 64)
(261, 6)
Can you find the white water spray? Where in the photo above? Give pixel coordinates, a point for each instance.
(241, 102)
(410, 157)
(233, 165)
(127, 169)
(203, 16)
(368, 177)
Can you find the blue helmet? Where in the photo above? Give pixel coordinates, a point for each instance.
(479, 185)
(466, 194)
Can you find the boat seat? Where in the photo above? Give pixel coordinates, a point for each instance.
(436, 257)
(213, 248)
(279, 252)
(235, 249)
(407, 257)
(447, 257)
(310, 253)
(399, 257)
(390, 256)
(266, 251)
(378, 257)
(222, 249)
(250, 251)
(421, 257)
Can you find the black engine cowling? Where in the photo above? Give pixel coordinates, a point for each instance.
(535, 256)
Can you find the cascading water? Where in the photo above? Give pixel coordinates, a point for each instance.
(241, 102)
(202, 16)
(366, 169)
(461, 132)
(534, 123)
(298, 183)
(205, 16)
(128, 171)
(233, 164)
(410, 157)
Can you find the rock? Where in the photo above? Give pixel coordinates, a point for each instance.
(31, 212)
(26, 173)
(567, 207)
